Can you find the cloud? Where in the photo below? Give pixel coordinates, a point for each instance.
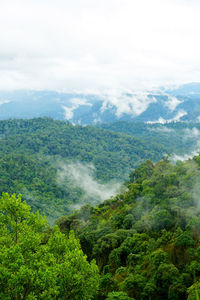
(159, 121)
(181, 113)
(193, 136)
(83, 176)
(134, 104)
(81, 45)
(68, 112)
(174, 158)
(162, 129)
(123, 101)
(172, 103)
(4, 101)
(75, 102)
(193, 133)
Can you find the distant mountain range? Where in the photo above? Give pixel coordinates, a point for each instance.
(162, 106)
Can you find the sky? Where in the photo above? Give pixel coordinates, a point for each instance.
(88, 45)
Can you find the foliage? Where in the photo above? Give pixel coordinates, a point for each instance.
(146, 241)
(118, 296)
(39, 263)
(176, 137)
(32, 152)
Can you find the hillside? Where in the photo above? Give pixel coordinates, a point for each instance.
(56, 165)
(146, 240)
(177, 137)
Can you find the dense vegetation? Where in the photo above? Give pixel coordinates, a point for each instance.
(176, 137)
(40, 263)
(146, 240)
(32, 152)
(107, 150)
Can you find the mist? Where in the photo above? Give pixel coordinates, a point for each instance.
(172, 103)
(82, 176)
(75, 103)
(128, 102)
(175, 157)
(162, 129)
(191, 135)
(177, 118)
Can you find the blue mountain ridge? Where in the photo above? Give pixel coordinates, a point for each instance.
(166, 105)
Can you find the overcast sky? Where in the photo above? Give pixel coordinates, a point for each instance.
(95, 45)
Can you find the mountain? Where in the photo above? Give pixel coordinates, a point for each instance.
(180, 138)
(162, 106)
(146, 240)
(57, 166)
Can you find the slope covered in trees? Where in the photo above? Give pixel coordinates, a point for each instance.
(176, 137)
(107, 150)
(146, 240)
(36, 157)
(32, 152)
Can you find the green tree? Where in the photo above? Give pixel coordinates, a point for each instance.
(118, 296)
(39, 263)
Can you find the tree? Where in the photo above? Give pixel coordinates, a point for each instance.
(118, 296)
(37, 262)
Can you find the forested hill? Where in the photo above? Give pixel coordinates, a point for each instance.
(177, 137)
(113, 154)
(146, 240)
(35, 155)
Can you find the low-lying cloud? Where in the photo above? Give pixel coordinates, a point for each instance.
(177, 118)
(125, 103)
(82, 176)
(175, 157)
(162, 129)
(75, 103)
(172, 103)
(193, 133)
(4, 102)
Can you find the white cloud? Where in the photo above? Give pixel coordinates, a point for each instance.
(83, 176)
(181, 113)
(76, 102)
(193, 133)
(159, 121)
(174, 158)
(79, 45)
(68, 112)
(4, 101)
(106, 106)
(172, 102)
(134, 104)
